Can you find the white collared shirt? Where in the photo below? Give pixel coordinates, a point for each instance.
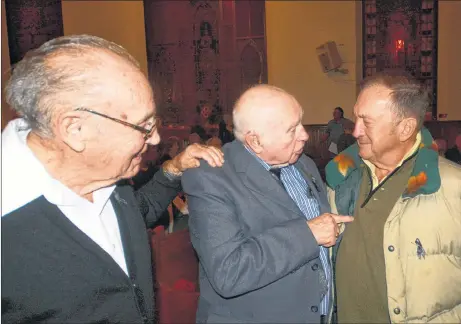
(24, 179)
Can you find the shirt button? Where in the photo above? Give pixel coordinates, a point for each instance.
(314, 309)
(391, 248)
(396, 311)
(315, 267)
(375, 199)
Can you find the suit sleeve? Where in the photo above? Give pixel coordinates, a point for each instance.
(156, 195)
(236, 262)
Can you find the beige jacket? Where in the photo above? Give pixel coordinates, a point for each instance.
(424, 285)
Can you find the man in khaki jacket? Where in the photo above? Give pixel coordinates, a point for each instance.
(400, 260)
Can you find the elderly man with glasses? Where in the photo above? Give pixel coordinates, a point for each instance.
(74, 241)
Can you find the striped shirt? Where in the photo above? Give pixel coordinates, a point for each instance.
(299, 191)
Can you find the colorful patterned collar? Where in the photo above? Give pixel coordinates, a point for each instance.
(424, 179)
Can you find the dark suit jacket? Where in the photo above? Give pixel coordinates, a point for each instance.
(259, 261)
(52, 272)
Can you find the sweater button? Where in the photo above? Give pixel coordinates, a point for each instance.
(315, 267)
(396, 311)
(314, 309)
(391, 248)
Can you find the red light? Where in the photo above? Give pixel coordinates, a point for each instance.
(399, 44)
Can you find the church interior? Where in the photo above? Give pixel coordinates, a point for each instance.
(200, 55)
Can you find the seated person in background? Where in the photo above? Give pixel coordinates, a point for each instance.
(441, 146)
(261, 224)
(178, 213)
(198, 135)
(148, 168)
(215, 142)
(226, 129)
(346, 139)
(454, 154)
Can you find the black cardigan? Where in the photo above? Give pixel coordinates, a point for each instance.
(52, 272)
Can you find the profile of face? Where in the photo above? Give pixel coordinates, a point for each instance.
(337, 114)
(375, 129)
(114, 151)
(283, 140)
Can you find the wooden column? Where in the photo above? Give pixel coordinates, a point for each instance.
(31, 23)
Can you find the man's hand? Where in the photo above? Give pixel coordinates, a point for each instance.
(190, 157)
(325, 228)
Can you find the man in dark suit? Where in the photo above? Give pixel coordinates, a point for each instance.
(261, 224)
(74, 242)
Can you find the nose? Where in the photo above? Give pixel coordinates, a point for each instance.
(154, 139)
(358, 129)
(303, 135)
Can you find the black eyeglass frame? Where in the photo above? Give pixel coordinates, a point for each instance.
(147, 132)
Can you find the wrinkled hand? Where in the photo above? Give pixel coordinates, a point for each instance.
(190, 157)
(325, 228)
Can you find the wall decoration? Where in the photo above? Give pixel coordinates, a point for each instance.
(31, 23)
(401, 36)
(201, 57)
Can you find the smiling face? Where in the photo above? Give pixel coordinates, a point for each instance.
(113, 150)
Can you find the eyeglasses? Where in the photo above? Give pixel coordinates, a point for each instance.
(147, 132)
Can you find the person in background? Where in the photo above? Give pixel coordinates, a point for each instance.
(148, 168)
(454, 153)
(441, 146)
(198, 135)
(226, 129)
(346, 139)
(171, 148)
(75, 248)
(335, 128)
(261, 224)
(215, 142)
(399, 261)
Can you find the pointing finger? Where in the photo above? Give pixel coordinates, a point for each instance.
(343, 219)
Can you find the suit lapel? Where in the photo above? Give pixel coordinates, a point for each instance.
(257, 179)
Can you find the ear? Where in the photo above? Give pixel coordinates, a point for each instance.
(407, 128)
(70, 129)
(252, 141)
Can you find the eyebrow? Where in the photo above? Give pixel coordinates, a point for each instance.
(145, 118)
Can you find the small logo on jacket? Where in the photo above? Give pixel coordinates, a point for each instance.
(419, 249)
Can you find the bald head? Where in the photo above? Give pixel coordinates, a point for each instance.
(267, 120)
(260, 109)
